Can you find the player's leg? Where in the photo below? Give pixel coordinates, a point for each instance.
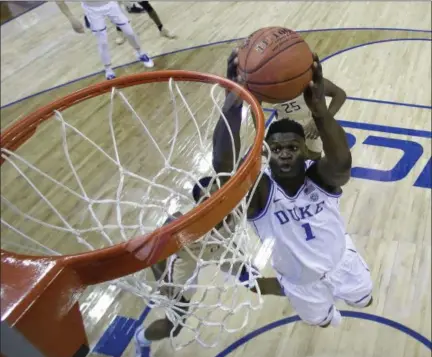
(179, 272)
(352, 281)
(313, 303)
(96, 22)
(155, 17)
(119, 19)
(139, 7)
(157, 330)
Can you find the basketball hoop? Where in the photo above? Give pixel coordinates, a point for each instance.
(40, 292)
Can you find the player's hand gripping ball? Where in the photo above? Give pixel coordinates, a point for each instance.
(275, 64)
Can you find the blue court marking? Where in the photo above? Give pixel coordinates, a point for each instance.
(420, 106)
(386, 129)
(118, 335)
(25, 12)
(373, 43)
(238, 39)
(370, 127)
(354, 314)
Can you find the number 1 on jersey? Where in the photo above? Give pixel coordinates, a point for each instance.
(308, 230)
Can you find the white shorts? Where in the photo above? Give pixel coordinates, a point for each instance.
(96, 15)
(349, 281)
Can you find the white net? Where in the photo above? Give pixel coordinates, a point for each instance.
(104, 171)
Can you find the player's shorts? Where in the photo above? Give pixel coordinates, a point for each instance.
(350, 281)
(96, 15)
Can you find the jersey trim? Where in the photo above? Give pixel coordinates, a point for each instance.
(292, 198)
(259, 215)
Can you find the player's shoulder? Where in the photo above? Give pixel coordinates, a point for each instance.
(313, 175)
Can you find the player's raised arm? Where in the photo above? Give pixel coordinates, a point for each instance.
(223, 158)
(337, 95)
(334, 169)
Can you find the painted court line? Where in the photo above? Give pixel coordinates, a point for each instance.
(223, 42)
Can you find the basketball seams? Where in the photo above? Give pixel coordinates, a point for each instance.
(285, 80)
(251, 45)
(262, 64)
(275, 65)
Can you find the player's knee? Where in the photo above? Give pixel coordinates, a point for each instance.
(102, 38)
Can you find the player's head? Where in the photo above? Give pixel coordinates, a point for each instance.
(210, 186)
(286, 139)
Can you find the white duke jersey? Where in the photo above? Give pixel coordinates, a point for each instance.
(307, 229)
(295, 109)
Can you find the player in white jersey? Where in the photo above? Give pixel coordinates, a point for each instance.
(95, 13)
(296, 205)
(182, 269)
(298, 111)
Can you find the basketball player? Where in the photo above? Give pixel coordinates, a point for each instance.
(139, 7)
(181, 270)
(298, 111)
(296, 204)
(95, 13)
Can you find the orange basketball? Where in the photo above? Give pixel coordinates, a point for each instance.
(276, 64)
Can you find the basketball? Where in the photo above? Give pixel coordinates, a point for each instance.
(276, 64)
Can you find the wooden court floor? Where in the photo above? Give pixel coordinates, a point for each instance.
(387, 205)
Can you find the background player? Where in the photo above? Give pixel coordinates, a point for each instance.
(180, 269)
(296, 205)
(95, 13)
(139, 7)
(298, 111)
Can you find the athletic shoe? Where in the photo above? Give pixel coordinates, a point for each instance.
(142, 346)
(146, 60)
(165, 33)
(109, 74)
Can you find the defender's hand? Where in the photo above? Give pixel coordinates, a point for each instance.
(314, 93)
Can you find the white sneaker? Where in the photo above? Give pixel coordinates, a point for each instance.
(120, 38)
(337, 318)
(165, 33)
(146, 60)
(109, 74)
(142, 346)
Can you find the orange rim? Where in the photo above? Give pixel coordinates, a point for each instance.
(140, 252)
